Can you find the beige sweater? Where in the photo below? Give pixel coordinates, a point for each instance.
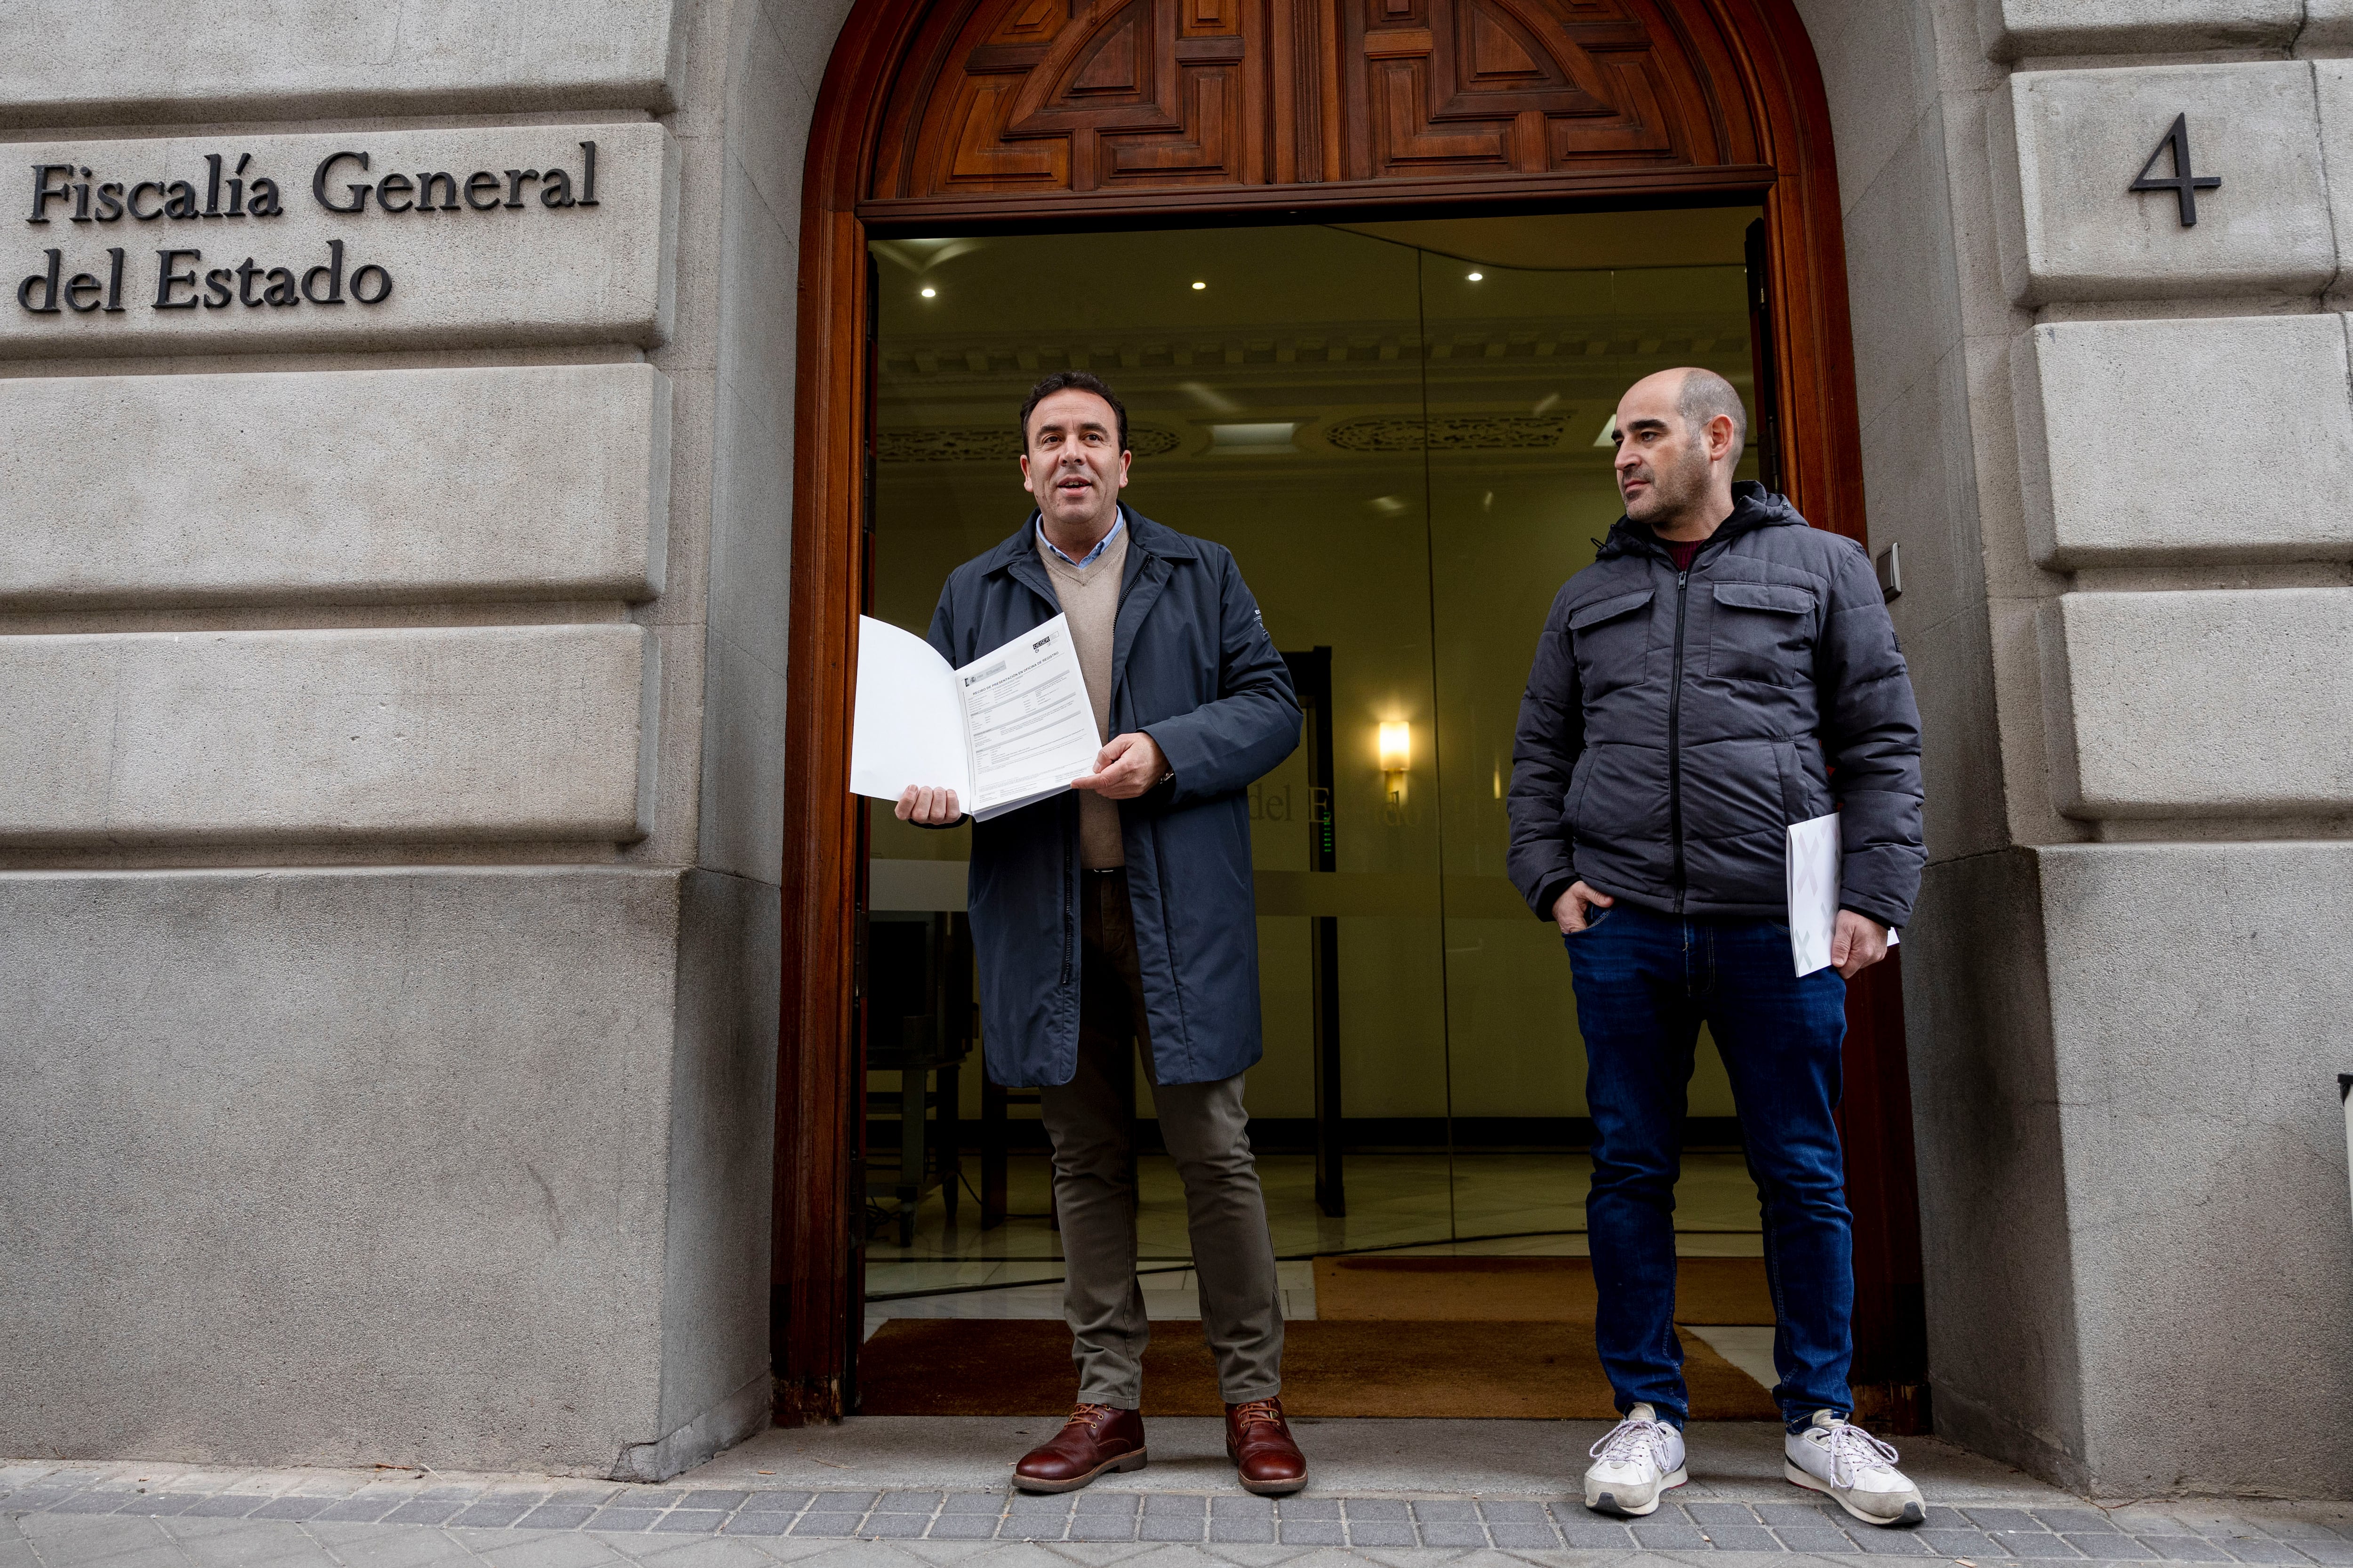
(1090, 599)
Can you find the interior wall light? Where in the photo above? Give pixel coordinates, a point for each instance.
(1476, 275)
(1201, 285)
(1397, 757)
(931, 293)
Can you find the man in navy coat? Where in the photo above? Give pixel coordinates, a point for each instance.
(1123, 912)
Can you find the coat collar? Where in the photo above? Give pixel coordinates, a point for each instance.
(1144, 536)
(1150, 549)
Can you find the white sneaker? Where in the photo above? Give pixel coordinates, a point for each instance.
(1641, 1458)
(1836, 1456)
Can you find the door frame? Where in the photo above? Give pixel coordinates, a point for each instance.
(818, 1081)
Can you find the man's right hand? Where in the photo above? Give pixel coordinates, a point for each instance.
(1569, 910)
(928, 808)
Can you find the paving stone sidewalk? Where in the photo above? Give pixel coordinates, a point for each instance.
(169, 1515)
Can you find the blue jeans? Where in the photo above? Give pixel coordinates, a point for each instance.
(1645, 982)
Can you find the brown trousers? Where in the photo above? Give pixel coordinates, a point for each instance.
(1092, 1126)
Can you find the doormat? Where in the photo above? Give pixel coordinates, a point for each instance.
(1021, 1367)
(1523, 1290)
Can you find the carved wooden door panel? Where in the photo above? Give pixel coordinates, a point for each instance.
(1529, 87)
(1017, 98)
(1084, 95)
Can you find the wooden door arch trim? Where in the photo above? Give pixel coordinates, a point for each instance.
(1319, 134)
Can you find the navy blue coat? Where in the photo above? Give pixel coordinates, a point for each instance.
(1192, 667)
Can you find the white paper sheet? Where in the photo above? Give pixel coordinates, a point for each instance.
(908, 726)
(1813, 890)
(1815, 856)
(1012, 727)
(1032, 729)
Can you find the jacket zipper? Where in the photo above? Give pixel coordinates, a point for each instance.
(1674, 742)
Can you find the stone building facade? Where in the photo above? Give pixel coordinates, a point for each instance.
(394, 675)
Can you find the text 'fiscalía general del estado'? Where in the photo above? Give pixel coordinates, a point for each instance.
(92, 278)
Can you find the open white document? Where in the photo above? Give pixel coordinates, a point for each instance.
(1815, 854)
(1012, 727)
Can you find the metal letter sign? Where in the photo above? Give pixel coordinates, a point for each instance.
(2184, 184)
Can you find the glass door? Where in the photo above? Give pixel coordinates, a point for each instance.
(1274, 383)
(1530, 344)
(1398, 430)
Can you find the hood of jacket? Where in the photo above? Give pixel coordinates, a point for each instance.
(1753, 507)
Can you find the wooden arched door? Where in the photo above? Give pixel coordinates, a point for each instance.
(945, 116)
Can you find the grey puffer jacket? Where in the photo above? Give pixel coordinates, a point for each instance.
(1676, 724)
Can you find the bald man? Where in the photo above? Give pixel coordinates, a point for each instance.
(1720, 672)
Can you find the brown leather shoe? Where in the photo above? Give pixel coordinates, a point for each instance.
(1259, 1442)
(1094, 1439)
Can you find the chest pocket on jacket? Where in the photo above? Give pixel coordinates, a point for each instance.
(1763, 631)
(1610, 639)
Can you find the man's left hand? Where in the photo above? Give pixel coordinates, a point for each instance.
(1124, 768)
(1858, 942)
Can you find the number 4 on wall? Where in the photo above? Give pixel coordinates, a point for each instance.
(2184, 184)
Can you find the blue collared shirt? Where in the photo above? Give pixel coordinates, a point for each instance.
(1101, 544)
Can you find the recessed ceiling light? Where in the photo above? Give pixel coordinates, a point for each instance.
(1201, 285)
(1476, 275)
(931, 293)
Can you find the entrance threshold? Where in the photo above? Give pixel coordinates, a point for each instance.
(1410, 1456)
(1405, 1483)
